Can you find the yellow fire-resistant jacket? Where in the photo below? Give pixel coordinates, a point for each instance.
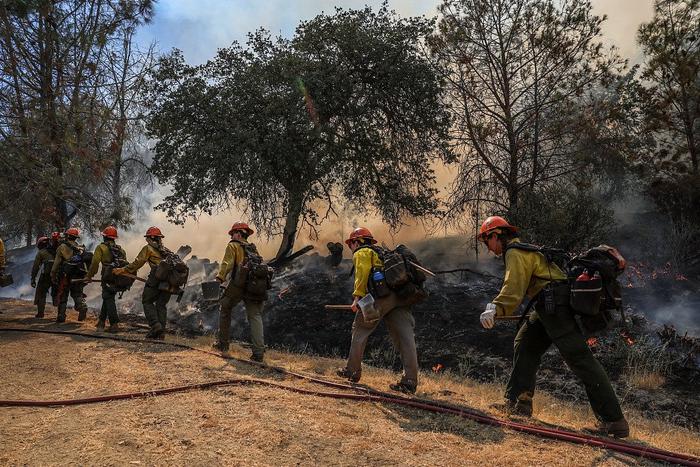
(63, 253)
(2, 254)
(364, 259)
(233, 256)
(526, 273)
(44, 257)
(149, 255)
(102, 255)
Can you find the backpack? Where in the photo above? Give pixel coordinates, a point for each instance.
(77, 265)
(171, 270)
(252, 276)
(119, 283)
(594, 295)
(400, 276)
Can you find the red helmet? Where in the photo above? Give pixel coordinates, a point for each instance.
(55, 236)
(72, 232)
(241, 226)
(154, 232)
(493, 223)
(110, 232)
(360, 232)
(42, 242)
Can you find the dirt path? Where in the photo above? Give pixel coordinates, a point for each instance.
(224, 426)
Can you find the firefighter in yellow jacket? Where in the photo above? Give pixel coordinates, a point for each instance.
(235, 254)
(153, 299)
(529, 274)
(107, 254)
(68, 265)
(43, 262)
(399, 321)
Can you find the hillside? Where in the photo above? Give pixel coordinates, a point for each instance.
(256, 425)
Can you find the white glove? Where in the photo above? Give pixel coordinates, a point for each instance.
(488, 317)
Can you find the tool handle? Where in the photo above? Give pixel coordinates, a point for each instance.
(339, 307)
(421, 268)
(132, 276)
(73, 281)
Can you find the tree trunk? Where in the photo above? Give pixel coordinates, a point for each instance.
(296, 203)
(30, 233)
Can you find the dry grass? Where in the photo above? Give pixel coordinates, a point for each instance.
(649, 381)
(256, 425)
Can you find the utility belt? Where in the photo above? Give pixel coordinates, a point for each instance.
(554, 298)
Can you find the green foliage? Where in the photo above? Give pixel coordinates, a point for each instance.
(349, 107)
(63, 108)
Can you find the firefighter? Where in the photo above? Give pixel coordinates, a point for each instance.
(154, 300)
(237, 251)
(399, 321)
(107, 254)
(552, 321)
(68, 265)
(43, 261)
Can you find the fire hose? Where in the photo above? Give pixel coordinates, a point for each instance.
(367, 394)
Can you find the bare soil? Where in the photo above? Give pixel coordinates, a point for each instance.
(240, 425)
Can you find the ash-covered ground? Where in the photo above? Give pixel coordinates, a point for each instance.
(652, 343)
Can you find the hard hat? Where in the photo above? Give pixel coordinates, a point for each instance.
(110, 232)
(360, 232)
(73, 232)
(237, 226)
(493, 223)
(154, 232)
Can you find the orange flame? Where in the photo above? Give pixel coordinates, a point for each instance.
(438, 368)
(628, 338)
(592, 341)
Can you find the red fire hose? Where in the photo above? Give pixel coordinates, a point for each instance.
(368, 395)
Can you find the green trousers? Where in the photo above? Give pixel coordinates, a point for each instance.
(76, 293)
(400, 324)
(532, 341)
(109, 306)
(254, 311)
(42, 288)
(155, 305)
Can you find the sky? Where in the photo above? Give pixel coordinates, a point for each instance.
(200, 27)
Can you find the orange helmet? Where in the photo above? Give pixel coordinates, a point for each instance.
(73, 232)
(241, 226)
(492, 223)
(359, 233)
(154, 232)
(55, 236)
(110, 232)
(42, 242)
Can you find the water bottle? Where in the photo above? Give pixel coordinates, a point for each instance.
(379, 283)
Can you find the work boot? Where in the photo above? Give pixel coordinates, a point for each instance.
(521, 408)
(155, 331)
(407, 387)
(617, 429)
(61, 318)
(100, 326)
(81, 315)
(352, 376)
(257, 357)
(219, 347)
(39, 314)
(113, 327)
